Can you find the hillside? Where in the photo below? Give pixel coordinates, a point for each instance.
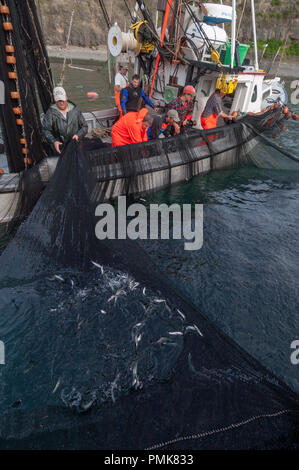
(275, 18)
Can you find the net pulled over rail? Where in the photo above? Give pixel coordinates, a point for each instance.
(105, 353)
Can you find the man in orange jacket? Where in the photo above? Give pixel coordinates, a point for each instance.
(213, 111)
(131, 128)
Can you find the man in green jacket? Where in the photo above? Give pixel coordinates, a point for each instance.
(63, 121)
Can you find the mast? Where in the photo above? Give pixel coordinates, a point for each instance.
(256, 64)
(233, 38)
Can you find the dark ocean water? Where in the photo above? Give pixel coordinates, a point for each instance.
(70, 342)
(245, 277)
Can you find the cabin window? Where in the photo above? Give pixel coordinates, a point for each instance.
(254, 95)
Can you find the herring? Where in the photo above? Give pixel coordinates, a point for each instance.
(56, 386)
(98, 266)
(194, 328)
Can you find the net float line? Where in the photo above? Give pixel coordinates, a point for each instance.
(15, 96)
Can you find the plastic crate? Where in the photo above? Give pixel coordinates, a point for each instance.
(225, 55)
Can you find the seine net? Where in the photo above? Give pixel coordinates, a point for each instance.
(103, 352)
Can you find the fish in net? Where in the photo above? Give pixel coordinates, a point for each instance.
(103, 352)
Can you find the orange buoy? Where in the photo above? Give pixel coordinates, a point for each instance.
(25, 151)
(1, 171)
(4, 10)
(15, 95)
(287, 115)
(9, 49)
(27, 161)
(295, 116)
(234, 114)
(92, 95)
(285, 110)
(10, 59)
(23, 141)
(17, 110)
(7, 26)
(20, 122)
(12, 75)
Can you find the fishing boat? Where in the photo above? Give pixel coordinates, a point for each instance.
(188, 43)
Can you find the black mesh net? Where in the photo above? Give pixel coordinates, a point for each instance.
(102, 351)
(34, 82)
(112, 355)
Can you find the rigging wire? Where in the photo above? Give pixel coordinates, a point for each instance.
(105, 14)
(62, 75)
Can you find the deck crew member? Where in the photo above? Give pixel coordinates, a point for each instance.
(63, 121)
(121, 81)
(171, 124)
(213, 110)
(133, 97)
(184, 105)
(131, 128)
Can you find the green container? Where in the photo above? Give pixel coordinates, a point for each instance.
(225, 55)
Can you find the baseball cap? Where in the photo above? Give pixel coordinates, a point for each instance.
(172, 113)
(59, 94)
(189, 90)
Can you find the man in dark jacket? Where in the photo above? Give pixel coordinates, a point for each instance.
(133, 97)
(63, 121)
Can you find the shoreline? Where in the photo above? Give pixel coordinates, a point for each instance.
(289, 67)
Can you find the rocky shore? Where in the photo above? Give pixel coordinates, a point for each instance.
(289, 68)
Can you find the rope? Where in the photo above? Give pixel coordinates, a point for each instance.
(67, 43)
(282, 53)
(272, 144)
(241, 17)
(218, 430)
(39, 42)
(105, 14)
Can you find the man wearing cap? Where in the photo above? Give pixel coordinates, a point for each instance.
(213, 110)
(184, 105)
(63, 121)
(131, 128)
(121, 81)
(171, 124)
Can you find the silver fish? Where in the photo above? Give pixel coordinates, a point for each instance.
(181, 314)
(116, 295)
(133, 285)
(136, 382)
(59, 278)
(86, 406)
(114, 386)
(175, 333)
(98, 266)
(137, 340)
(164, 340)
(194, 328)
(56, 386)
